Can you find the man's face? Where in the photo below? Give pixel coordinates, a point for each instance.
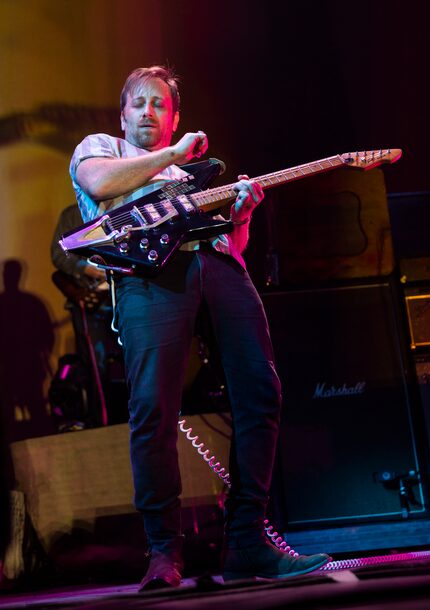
(147, 119)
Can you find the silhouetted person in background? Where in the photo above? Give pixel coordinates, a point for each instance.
(27, 339)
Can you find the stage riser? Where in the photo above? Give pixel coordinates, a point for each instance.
(76, 479)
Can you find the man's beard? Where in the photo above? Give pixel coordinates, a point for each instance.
(143, 140)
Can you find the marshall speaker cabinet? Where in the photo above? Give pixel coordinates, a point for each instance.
(347, 450)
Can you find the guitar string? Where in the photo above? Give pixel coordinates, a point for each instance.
(226, 192)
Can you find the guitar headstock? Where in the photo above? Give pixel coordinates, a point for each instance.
(368, 159)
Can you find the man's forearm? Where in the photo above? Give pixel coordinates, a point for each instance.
(104, 178)
(240, 237)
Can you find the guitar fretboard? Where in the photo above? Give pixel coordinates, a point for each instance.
(210, 199)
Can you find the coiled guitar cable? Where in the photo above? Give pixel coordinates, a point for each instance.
(221, 472)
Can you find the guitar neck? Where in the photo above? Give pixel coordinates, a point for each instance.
(215, 198)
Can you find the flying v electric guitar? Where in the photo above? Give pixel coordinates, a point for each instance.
(141, 236)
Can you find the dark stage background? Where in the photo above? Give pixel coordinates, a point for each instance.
(276, 86)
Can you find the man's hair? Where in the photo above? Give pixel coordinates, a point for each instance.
(141, 75)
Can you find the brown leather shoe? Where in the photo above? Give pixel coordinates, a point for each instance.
(164, 570)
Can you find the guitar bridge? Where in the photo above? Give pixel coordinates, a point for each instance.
(138, 216)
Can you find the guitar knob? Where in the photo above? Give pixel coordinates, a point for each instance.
(124, 247)
(144, 243)
(164, 239)
(153, 256)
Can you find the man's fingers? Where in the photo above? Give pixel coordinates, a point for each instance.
(257, 192)
(250, 188)
(201, 144)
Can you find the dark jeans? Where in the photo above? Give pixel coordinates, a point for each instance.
(156, 323)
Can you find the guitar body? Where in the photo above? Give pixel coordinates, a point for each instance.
(144, 234)
(131, 255)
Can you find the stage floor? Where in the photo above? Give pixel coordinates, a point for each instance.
(395, 581)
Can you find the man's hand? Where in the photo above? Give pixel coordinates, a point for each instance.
(189, 146)
(249, 195)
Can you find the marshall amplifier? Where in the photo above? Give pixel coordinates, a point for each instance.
(347, 450)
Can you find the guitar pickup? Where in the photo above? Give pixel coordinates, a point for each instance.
(151, 216)
(187, 203)
(152, 212)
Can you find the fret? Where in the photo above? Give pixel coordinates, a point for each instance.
(278, 177)
(327, 163)
(302, 170)
(202, 198)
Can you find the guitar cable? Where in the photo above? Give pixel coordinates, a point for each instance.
(220, 471)
(111, 281)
